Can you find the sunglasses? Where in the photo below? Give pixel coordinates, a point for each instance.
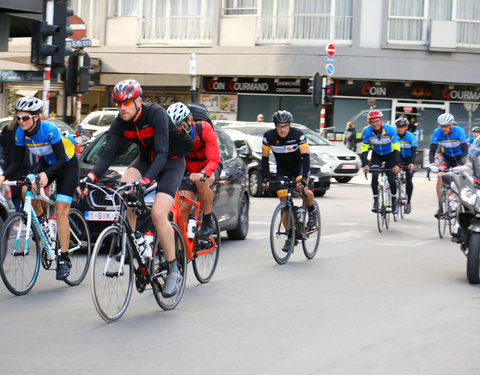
(25, 118)
(125, 103)
(282, 126)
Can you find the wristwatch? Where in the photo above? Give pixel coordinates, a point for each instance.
(204, 174)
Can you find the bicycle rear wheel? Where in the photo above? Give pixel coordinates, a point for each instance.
(282, 232)
(453, 207)
(159, 269)
(79, 247)
(19, 268)
(205, 254)
(442, 218)
(311, 237)
(381, 211)
(111, 283)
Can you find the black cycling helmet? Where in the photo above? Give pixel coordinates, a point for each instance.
(282, 117)
(476, 129)
(402, 121)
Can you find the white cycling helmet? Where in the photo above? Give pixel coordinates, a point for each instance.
(29, 104)
(445, 119)
(178, 112)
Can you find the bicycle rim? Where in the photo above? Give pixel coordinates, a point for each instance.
(159, 268)
(111, 288)
(282, 228)
(311, 238)
(452, 213)
(442, 218)
(402, 199)
(79, 247)
(19, 270)
(380, 211)
(206, 253)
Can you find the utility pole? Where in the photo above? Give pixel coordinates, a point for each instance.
(193, 75)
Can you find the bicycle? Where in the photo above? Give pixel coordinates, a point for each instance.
(384, 208)
(290, 222)
(25, 243)
(203, 253)
(117, 261)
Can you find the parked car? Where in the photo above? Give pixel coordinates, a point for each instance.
(230, 202)
(97, 122)
(248, 140)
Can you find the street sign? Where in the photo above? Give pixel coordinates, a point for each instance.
(79, 28)
(407, 109)
(470, 107)
(329, 69)
(330, 49)
(329, 59)
(81, 43)
(371, 102)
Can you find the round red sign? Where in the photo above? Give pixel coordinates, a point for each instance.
(371, 101)
(330, 49)
(407, 109)
(79, 28)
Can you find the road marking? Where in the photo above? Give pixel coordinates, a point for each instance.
(405, 243)
(345, 236)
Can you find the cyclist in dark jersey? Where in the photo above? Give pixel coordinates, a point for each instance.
(290, 148)
(202, 162)
(161, 158)
(57, 158)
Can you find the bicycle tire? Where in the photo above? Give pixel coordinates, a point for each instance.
(311, 242)
(159, 269)
(80, 258)
(279, 233)
(204, 265)
(453, 206)
(442, 218)
(388, 206)
(111, 293)
(402, 199)
(380, 211)
(473, 259)
(19, 272)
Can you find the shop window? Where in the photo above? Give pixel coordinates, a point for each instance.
(239, 7)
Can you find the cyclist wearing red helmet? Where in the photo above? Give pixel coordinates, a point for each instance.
(385, 145)
(161, 158)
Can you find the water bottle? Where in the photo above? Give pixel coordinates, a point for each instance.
(46, 233)
(52, 228)
(191, 227)
(140, 243)
(148, 236)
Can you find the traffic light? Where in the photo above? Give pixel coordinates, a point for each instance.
(61, 18)
(79, 74)
(328, 97)
(40, 49)
(85, 79)
(316, 89)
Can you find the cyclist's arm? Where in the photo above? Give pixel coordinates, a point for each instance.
(212, 152)
(305, 155)
(61, 159)
(161, 139)
(433, 150)
(265, 162)
(108, 155)
(464, 147)
(414, 155)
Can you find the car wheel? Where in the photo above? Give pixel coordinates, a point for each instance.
(320, 193)
(240, 232)
(255, 184)
(343, 180)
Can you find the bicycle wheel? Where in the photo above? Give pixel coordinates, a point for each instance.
(453, 207)
(442, 218)
(111, 284)
(311, 237)
(205, 254)
(79, 248)
(387, 197)
(159, 268)
(381, 210)
(19, 268)
(402, 198)
(282, 232)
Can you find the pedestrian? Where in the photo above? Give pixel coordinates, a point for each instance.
(260, 117)
(350, 137)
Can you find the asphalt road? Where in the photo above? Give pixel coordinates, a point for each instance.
(369, 303)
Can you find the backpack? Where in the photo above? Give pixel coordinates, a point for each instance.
(199, 113)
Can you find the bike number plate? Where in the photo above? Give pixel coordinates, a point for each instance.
(99, 216)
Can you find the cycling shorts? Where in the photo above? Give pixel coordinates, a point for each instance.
(191, 186)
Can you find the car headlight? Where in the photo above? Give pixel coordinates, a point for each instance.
(326, 169)
(468, 196)
(273, 168)
(327, 157)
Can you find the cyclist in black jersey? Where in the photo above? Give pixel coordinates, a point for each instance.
(161, 158)
(290, 148)
(57, 157)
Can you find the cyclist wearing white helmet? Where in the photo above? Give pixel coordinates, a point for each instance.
(202, 162)
(57, 157)
(452, 142)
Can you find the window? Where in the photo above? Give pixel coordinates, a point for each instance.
(305, 20)
(88, 11)
(409, 20)
(124, 8)
(239, 7)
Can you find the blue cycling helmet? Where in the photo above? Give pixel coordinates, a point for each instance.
(445, 119)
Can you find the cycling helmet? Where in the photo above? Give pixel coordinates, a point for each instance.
(374, 114)
(29, 104)
(401, 122)
(178, 112)
(476, 129)
(281, 117)
(445, 119)
(128, 89)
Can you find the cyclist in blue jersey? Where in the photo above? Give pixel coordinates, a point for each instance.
(385, 145)
(408, 151)
(453, 144)
(57, 158)
(475, 134)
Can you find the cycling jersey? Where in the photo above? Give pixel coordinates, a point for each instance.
(154, 132)
(205, 154)
(470, 140)
(450, 143)
(384, 143)
(407, 142)
(286, 150)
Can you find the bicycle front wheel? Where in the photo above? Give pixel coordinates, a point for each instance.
(311, 237)
(282, 232)
(159, 270)
(205, 254)
(381, 210)
(402, 198)
(111, 281)
(442, 217)
(19, 255)
(79, 248)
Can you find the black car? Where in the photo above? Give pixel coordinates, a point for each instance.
(230, 199)
(249, 144)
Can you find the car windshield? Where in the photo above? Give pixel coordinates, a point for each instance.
(127, 152)
(62, 126)
(256, 143)
(315, 139)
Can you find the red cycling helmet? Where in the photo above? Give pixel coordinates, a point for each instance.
(128, 89)
(374, 114)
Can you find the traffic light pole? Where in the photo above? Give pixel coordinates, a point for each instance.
(322, 110)
(78, 111)
(47, 70)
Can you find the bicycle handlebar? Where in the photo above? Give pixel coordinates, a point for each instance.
(27, 182)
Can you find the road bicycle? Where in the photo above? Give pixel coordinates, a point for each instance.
(289, 222)
(384, 208)
(203, 253)
(25, 242)
(118, 263)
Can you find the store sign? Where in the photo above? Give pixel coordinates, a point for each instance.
(290, 86)
(23, 76)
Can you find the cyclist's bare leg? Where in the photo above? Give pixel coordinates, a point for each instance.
(439, 185)
(307, 196)
(205, 194)
(36, 203)
(130, 176)
(184, 206)
(161, 205)
(281, 194)
(63, 225)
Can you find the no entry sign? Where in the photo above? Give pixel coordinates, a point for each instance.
(330, 49)
(79, 28)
